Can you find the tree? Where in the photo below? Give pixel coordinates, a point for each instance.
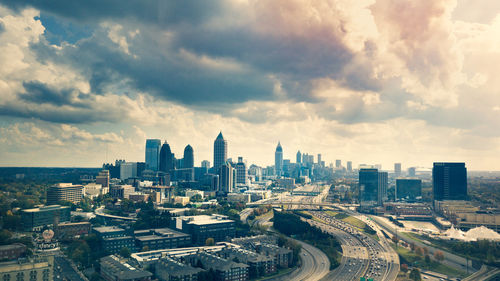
(209, 242)
(427, 259)
(419, 251)
(125, 252)
(412, 246)
(426, 251)
(404, 267)
(439, 256)
(415, 274)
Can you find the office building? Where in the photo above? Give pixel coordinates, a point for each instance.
(397, 169)
(161, 238)
(449, 181)
(121, 191)
(201, 227)
(68, 230)
(32, 269)
(226, 178)
(64, 192)
(278, 160)
(188, 157)
(368, 185)
(113, 239)
(166, 158)
(37, 218)
(220, 151)
(116, 269)
(299, 157)
(408, 189)
(103, 178)
(382, 187)
(128, 170)
(319, 159)
(412, 171)
(152, 154)
(241, 172)
(338, 163)
(349, 166)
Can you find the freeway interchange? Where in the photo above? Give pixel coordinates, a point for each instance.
(362, 256)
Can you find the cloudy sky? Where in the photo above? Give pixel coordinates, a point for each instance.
(372, 81)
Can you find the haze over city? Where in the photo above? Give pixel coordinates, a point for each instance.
(374, 82)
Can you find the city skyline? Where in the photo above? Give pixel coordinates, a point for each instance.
(355, 81)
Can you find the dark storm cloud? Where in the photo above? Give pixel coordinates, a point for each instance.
(151, 11)
(40, 93)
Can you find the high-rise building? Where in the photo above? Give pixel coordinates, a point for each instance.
(220, 151)
(397, 169)
(241, 172)
(39, 268)
(205, 164)
(188, 157)
(319, 158)
(382, 187)
(152, 154)
(278, 160)
(349, 166)
(408, 188)
(103, 178)
(166, 158)
(449, 181)
(412, 171)
(299, 157)
(338, 163)
(64, 192)
(226, 178)
(368, 184)
(128, 170)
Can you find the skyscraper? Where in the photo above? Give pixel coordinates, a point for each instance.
(278, 160)
(382, 187)
(166, 158)
(241, 172)
(368, 184)
(226, 178)
(205, 164)
(188, 157)
(412, 171)
(397, 169)
(152, 154)
(299, 157)
(349, 166)
(449, 181)
(319, 158)
(338, 163)
(220, 151)
(408, 189)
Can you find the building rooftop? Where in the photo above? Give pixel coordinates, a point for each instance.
(12, 246)
(104, 229)
(153, 234)
(215, 262)
(123, 270)
(45, 208)
(206, 219)
(176, 268)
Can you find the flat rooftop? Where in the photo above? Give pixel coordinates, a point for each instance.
(206, 219)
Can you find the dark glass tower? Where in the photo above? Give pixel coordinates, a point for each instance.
(188, 157)
(166, 158)
(220, 151)
(449, 181)
(152, 153)
(368, 184)
(278, 160)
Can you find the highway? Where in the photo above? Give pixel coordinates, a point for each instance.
(315, 265)
(363, 256)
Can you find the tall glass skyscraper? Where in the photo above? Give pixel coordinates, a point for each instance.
(166, 158)
(220, 151)
(449, 181)
(188, 157)
(152, 154)
(368, 185)
(278, 160)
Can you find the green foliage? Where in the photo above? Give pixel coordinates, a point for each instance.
(125, 252)
(367, 229)
(209, 242)
(341, 216)
(415, 274)
(290, 224)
